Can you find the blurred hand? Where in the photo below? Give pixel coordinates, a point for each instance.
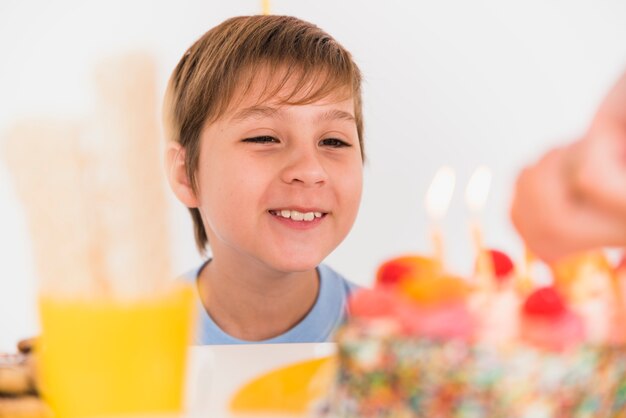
(600, 162)
(574, 198)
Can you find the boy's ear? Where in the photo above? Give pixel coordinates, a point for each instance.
(177, 174)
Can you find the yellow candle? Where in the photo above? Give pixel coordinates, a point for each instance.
(484, 264)
(265, 6)
(438, 199)
(476, 194)
(523, 276)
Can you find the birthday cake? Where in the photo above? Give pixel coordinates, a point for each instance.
(424, 343)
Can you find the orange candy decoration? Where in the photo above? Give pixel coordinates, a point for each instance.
(436, 289)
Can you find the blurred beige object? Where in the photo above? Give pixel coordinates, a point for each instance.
(48, 167)
(115, 329)
(130, 181)
(94, 193)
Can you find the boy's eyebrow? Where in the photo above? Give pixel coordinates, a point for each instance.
(254, 111)
(267, 111)
(336, 114)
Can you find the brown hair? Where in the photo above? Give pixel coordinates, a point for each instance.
(227, 57)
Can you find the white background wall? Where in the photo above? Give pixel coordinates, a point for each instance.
(450, 82)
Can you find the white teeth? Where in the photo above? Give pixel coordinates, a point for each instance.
(298, 216)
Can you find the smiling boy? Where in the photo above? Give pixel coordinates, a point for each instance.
(264, 124)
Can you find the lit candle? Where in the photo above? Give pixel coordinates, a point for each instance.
(438, 199)
(524, 272)
(476, 194)
(265, 6)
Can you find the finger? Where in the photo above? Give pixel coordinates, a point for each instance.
(614, 104)
(535, 206)
(554, 221)
(600, 172)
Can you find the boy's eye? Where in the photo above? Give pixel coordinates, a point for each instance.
(334, 143)
(265, 139)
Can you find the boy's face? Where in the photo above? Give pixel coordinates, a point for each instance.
(280, 185)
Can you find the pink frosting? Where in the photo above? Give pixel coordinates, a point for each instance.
(554, 333)
(446, 321)
(372, 303)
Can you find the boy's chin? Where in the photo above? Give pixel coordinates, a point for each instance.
(299, 265)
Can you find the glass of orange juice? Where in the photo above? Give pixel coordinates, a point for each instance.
(108, 356)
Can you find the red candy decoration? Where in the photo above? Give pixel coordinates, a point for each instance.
(396, 270)
(390, 273)
(545, 301)
(502, 264)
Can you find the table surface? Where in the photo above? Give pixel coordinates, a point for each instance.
(217, 372)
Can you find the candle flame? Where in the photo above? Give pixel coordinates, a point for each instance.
(478, 188)
(439, 193)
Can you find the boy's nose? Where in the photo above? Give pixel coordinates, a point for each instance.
(305, 167)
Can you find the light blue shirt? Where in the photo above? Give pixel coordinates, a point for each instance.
(318, 325)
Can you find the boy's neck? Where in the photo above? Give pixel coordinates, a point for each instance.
(255, 304)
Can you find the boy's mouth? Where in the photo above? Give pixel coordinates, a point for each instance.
(296, 215)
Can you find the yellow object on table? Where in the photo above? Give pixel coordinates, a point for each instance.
(290, 389)
(105, 356)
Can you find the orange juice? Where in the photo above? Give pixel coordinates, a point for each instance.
(104, 356)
